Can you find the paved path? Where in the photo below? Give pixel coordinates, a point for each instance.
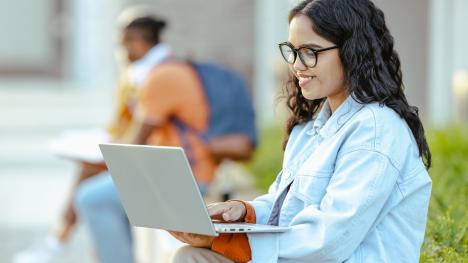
(34, 184)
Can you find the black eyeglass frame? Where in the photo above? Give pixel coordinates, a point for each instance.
(296, 52)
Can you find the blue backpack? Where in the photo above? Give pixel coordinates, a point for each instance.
(230, 104)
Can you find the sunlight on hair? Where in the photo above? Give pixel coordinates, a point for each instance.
(130, 13)
(460, 94)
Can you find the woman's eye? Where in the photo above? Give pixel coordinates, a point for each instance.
(309, 53)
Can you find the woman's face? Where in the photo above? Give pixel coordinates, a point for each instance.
(327, 78)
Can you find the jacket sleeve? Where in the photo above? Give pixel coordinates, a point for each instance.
(358, 189)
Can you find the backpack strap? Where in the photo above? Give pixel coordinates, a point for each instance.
(183, 132)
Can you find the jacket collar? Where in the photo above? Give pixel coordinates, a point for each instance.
(327, 124)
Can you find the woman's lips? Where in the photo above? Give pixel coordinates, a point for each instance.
(304, 80)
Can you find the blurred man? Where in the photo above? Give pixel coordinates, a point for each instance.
(170, 95)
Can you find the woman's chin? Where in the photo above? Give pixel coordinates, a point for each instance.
(309, 95)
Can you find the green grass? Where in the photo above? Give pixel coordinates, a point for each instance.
(446, 233)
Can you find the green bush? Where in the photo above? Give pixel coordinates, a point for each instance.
(446, 239)
(268, 158)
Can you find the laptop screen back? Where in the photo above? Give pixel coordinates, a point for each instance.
(157, 188)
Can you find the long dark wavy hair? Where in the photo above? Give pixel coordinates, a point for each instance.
(371, 65)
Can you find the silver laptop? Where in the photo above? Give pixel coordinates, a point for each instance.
(158, 190)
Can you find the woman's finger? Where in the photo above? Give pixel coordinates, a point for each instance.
(230, 211)
(216, 211)
(232, 214)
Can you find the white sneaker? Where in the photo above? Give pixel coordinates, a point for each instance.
(44, 252)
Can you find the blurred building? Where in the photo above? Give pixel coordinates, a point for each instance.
(431, 37)
(75, 40)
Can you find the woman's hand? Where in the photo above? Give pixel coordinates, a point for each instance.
(194, 240)
(230, 211)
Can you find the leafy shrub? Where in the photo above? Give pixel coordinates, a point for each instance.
(446, 239)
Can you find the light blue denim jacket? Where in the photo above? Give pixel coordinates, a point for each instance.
(359, 192)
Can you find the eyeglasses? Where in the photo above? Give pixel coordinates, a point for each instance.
(307, 55)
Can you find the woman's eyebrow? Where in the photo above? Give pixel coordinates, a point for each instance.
(311, 45)
(307, 45)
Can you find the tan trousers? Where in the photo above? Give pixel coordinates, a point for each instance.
(189, 254)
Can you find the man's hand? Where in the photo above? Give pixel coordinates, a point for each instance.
(90, 169)
(237, 147)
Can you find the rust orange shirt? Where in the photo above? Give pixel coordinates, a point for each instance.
(236, 246)
(174, 90)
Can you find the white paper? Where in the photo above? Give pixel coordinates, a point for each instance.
(80, 145)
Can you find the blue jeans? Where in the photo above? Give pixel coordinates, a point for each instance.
(98, 204)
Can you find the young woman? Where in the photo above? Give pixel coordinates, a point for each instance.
(354, 185)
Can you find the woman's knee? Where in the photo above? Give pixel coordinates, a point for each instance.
(185, 254)
(189, 254)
